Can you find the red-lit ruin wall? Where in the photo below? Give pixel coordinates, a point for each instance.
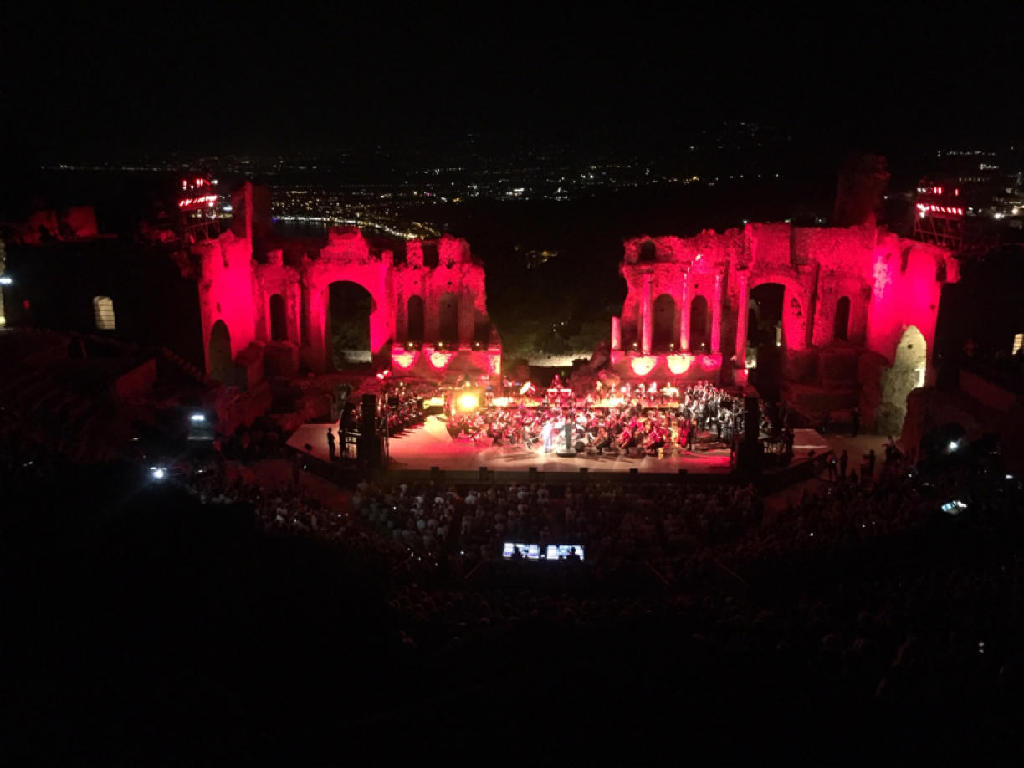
(237, 290)
(892, 284)
(457, 273)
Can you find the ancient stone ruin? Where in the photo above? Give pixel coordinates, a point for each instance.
(856, 312)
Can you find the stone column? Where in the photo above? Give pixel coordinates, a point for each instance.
(647, 315)
(716, 316)
(741, 319)
(616, 332)
(684, 316)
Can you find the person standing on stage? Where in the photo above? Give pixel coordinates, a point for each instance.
(330, 444)
(545, 434)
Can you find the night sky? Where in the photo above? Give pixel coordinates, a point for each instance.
(194, 77)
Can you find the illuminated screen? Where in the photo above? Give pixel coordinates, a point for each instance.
(562, 551)
(529, 551)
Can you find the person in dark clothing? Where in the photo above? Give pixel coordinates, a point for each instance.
(330, 444)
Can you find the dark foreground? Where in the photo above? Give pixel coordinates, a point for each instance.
(141, 627)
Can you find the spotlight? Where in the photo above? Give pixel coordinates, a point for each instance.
(953, 445)
(6, 280)
(468, 402)
(198, 418)
(157, 473)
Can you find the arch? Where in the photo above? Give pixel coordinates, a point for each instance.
(278, 318)
(700, 325)
(841, 321)
(766, 335)
(103, 311)
(909, 367)
(414, 314)
(220, 363)
(765, 315)
(448, 318)
(347, 324)
(431, 254)
(664, 334)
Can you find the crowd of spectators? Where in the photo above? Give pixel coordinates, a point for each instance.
(853, 581)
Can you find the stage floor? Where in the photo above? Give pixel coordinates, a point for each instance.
(430, 445)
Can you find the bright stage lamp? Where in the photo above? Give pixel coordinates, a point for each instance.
(953, 445)
(157, 473)
(197, 418)
(6, 280)
(468, 402)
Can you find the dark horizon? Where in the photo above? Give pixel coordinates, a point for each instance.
(89, 83)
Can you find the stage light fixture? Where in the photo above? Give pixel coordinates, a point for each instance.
(6, 280)
(157, 473)
(197, 418)
(468, 402)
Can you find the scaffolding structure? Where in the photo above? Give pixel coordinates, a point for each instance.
(943, 217)
(197, 208)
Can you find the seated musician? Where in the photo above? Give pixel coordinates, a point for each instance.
(604, 440)
(655, 440)
(626, 439)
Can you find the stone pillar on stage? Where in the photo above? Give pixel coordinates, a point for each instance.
(741, 318)
(647, 315)
(684, 316)
(616, 333)
(716, 316)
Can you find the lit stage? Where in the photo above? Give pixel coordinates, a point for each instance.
(430, 445)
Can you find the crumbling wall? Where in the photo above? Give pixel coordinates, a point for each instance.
(227, 290)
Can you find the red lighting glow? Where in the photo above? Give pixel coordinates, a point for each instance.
(403, 360)
(679, 364)
(643, 365)
(197, 202)
(709, 362)
(440, 360)
(926, 208)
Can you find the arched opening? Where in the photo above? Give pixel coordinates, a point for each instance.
(448, 319)
(647, 252)
(663, 336)
(700, 325)
(221, 368)
(907, 373)
(347, 332)
(431, 255)
(103, 311)
(765, 339)
(481, 332)
(414, 319)
(278, 323)
(841, 323)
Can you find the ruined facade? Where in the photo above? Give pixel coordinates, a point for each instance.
(686, 310)
(263, 315)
